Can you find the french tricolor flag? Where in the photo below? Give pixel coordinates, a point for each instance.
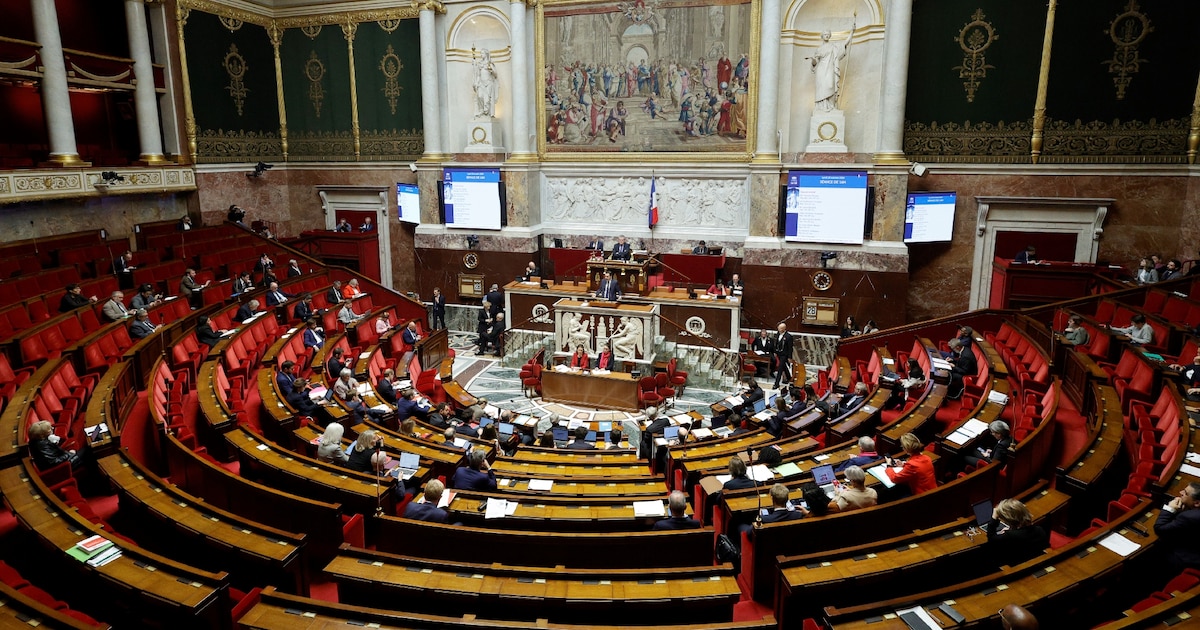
(653, 203)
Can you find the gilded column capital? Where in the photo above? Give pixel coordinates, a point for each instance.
(275, 33)
(429, 5)
(532, 4)
(349, 29)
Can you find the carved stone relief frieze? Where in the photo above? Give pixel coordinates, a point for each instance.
(682, 202)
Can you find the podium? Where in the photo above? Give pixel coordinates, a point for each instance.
(633, 276)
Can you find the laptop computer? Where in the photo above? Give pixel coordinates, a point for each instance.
(560, 435)
(407, 466)
(605, 427)
(485, 421)
(671, 433)
(590, 437)
(983, 512)
(760, 405)
(824, 476)
(506, 429)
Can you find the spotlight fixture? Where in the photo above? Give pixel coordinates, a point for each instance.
(918, 169)
(259, 170)
(412, 166)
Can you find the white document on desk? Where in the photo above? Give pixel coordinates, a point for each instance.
(1119, 544)
(496, 508)
(1189, 469)
(760, 473)
(541, 484)
(649, 508)
(922, 617)
(879, 472)
(973, 427)
(958, 437)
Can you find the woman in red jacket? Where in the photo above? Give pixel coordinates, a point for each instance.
(917, 472)
(580, 359)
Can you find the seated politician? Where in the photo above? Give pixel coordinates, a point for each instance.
(677, 504)
(410, 404)
(1012, 536)
(46, 447)
(854, 494)
(580, 359)
(917, 471)
(739, 478)
(246, 311)
(428, 509)
(329, 445)
(360, 454)
(473, 475)
(780, 511)
(581, 442)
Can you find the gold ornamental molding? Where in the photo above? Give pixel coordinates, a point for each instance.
(975, 38)
(1193, 142)
(1116, 142)
(314, 71)
(1127, 31)
(1039, 102)
(390, 65)
(986, 143)
(226, 12)
(28, 185)
(220, 146)
(430, 5)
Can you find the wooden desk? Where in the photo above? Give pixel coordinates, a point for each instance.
(683, 594)
(615, 390)
(939, 555)
(308, 477)
(639, 488)
(19, 611)
(575, 457)
(220, 488)
(604, 550)
(602, 471)
(140, 588)
(277, 611)
(548, 512)
(256, 553)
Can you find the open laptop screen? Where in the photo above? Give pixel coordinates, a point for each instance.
(823, 475)
(983, 512)
(671, 433)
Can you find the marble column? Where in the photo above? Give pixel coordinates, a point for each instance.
(521, 94)
(766, 141)
(145, 99)
(895, 83)
(431, 115)
(55, 98)
(161, 31)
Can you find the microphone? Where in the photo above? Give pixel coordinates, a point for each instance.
(758, 522)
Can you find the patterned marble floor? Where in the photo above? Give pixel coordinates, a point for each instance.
(486, 377)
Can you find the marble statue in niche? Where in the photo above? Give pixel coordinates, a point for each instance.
(486, 84)
(827, 66)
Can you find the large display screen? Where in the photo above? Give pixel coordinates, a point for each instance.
(471, 198)
(826, 207)
(929, 217)
(408, 203)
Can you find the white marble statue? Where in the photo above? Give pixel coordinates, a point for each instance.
(827, 66)
(486, 84)
(626, 341)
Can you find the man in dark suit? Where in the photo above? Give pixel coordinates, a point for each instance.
(300, 400)
(735, 286)
(782, 351)
(701, 249)
(303, 309)
(493, 336)
(1027, 255)
(407, 405)
(473, 476)
(411, 335)
(532, 271)
(141, 327)
(264, 265)
(384, 387)
(739, 479)
(185, 224)
(609, 288)
(275, 297)
(622, 250)
(581, 442)
(293, 270)
(242, 283)
(334, 295)
(246, 311)
(779, 507)
(285, 377)
(964, 362)
(677, 503)
(428, 510)
(439, 310)
(850, 402)
(866, 455)
(74, 299)
(333, 367)
(495, 300)
(597, 245)
(1178, 529)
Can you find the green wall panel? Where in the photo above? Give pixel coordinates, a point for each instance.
(229, 131)
(316, 88)
(389, 94)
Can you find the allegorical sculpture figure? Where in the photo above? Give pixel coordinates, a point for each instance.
(486, 83)
(827, 68)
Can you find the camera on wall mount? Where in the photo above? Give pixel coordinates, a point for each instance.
(108, 178)
(260, 169)
(826, 257)
(472, 241)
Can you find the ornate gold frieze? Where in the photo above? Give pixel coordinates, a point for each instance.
(429, 5)
(389, 26)
(314, 70)
(392, 145)
(1003, 143)
(397, 13)
(311, 31)
(33, 185)
(321, 145)
(235, 67)
(1127, 31)
(218, 145)
(391, 66)
(224, 11)
(974, 38)
(1134, 141)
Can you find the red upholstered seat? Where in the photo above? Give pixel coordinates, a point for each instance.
(648, 392)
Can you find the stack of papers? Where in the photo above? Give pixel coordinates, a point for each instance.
(763, 415)
(760, 473)
(997, 397)
(96, 550)
(649, 508)
(722, 431)
(941, 364)
(364, 389)
(735, 400)
(541, 484)
(702, 434)
(1119, 544)
(561, 368)
(499, 508)
(574, 423)
(917, 618)
(880, 473)
(968, 431)
(681, 418)
(787, 470)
